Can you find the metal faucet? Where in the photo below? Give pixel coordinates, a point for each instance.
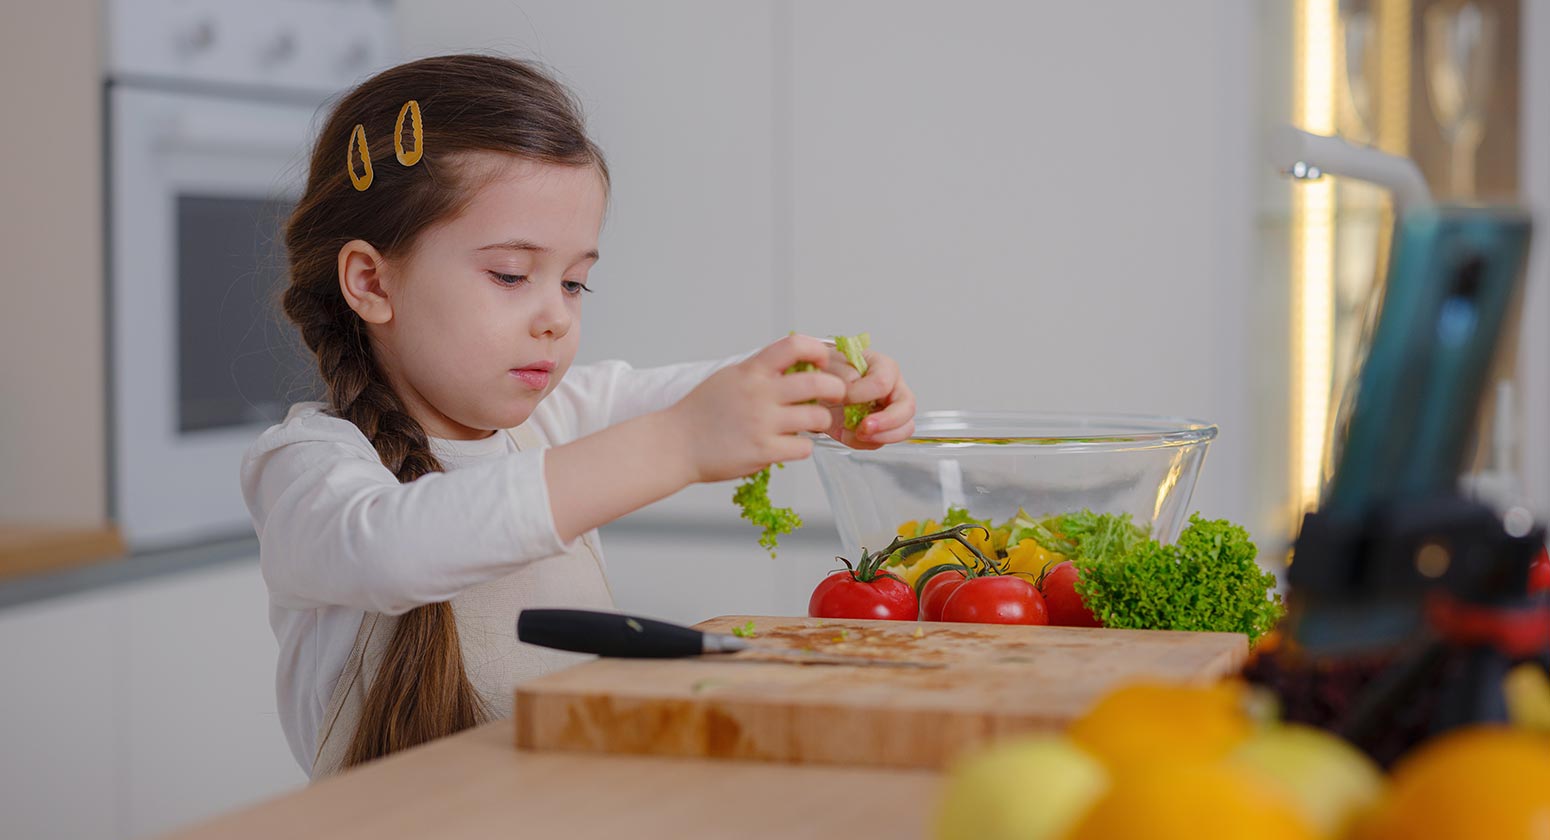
(1308, 157)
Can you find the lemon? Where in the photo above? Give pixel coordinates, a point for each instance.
(1192, 799)
(1479, 781)
(1330, 781)
(1528, 696)
(1030, 788)
(1154, 722)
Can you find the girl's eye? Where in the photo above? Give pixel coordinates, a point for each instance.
(509, 279)
(574, 288)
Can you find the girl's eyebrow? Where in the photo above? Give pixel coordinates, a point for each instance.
(525, 245)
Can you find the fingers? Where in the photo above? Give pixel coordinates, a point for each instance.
(810, 385)
(790, 350)
(808, 400)
(897, 434)
(791, 448)
(894, 422)
(881, 376)
(841, 367)
(804, 418)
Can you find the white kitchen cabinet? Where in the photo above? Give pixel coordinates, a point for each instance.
(134, 709)
(61, 721)
(201, 732)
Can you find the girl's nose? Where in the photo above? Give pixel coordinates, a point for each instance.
(553, 317)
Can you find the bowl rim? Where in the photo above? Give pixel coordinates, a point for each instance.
(1148, 431)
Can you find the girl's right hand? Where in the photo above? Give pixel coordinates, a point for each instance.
(747, 416)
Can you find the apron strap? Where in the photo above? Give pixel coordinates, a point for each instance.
(342, 717)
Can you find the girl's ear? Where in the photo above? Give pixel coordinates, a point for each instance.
(360, 280)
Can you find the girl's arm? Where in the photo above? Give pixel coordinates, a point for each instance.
(724, 428)
(740, 419)
(336, 527)
(594, 396)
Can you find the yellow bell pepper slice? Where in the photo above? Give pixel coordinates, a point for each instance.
(1031, 558)
(938, 554)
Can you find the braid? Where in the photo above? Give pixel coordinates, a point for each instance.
(421, 690)
(357, 393)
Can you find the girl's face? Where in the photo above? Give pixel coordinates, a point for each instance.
(486, 307)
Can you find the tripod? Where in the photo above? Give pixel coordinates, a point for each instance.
(1445, 581)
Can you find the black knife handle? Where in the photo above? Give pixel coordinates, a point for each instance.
(608, 634)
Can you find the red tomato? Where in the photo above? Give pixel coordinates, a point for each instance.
(1539, 573)
(842, 595)
(936, 592)
(1065, 605)
(997, 599)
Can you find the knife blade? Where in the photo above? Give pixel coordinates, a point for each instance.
(633, 637)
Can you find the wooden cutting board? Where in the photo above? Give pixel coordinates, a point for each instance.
(995, 680)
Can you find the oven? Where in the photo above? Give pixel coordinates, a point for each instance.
(211, 108)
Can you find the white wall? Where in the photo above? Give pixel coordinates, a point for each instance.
(1534, 355)
(1032, 205)
(1036, 206)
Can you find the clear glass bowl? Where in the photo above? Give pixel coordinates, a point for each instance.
(995, 462)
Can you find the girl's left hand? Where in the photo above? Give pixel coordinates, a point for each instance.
(893, 417)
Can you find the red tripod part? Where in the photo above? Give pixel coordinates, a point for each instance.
(1539, 573)
(1516, 631)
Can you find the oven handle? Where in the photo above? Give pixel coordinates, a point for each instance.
(191, 133)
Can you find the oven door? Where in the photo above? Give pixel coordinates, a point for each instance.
(201, 360)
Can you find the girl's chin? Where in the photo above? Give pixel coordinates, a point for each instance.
(513, 404)
(514, 412)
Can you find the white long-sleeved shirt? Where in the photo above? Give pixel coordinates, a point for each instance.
(340, 536)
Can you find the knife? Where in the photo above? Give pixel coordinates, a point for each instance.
(632, 637)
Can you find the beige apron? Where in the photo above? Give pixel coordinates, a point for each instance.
(486, 627)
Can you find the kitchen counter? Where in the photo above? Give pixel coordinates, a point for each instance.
(116, 568)
(36, 549)
(478, 785)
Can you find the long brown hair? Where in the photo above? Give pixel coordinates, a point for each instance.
(470, 103)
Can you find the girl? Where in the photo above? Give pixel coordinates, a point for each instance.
(460, 466)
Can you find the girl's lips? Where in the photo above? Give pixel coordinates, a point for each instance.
(534, 376)
(535, 379)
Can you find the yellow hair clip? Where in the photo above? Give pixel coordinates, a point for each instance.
(411, 157)
(407, 157)
(358, 140)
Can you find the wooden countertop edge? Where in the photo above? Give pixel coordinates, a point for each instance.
(27, 550)
(476, 785)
